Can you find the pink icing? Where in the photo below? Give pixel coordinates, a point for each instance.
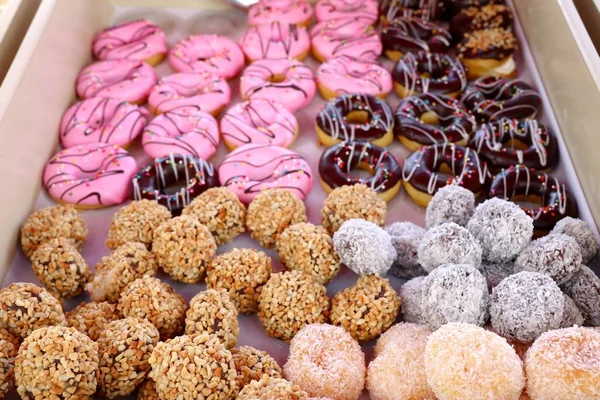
(102, 120)
(294, 92)
(217, 55)
(181, 133)
(189, 93)
(90, 175)
(353, 37)
(126, 80)
(275, 40)
(134, 40)
(285, 11)
(259, 121)
(254, 167)
(348, 75)
(326, 10)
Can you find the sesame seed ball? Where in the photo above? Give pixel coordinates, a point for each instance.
(571, 316)
(92, 318)
(406, 238)
(410, 297)
(136, 222)
(272, 212)
(502, 229)
(350, 202)
(242, 272)
(448, 243)
(291, 300)
(51, 223)
(452, 203)
(213, 312)
(402, 334)
(309, 248)
(9, 346)
(464, 361)
(584, 289)
(366, 309)
(455, 293)
(251, 364)
(60, 268)
(525, 305)
(563, 364)
(196, 367)
(149, 298)
(495, 272)
(57, 363)
(183, 248)
(268, 388)
(117, 270)
(25, 307)
(220, 210)
(581, 232)
(124, 348)
(147, 391)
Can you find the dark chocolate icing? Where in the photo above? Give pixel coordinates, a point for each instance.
(411, 35)
(456, 5)
(430, 10)
(445, 73)
(473, 18)
(492, 43)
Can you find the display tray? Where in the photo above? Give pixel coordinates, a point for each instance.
(58, 44)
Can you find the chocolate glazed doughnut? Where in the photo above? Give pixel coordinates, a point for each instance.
(487, 17)
(429, 10)
(411, 35)
(457, 5)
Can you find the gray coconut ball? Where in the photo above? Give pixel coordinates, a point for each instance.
(572, 315)
(452, 203)
(410, 300)
(495, 272)
(584, 289)
(448, 243)
(581, 232)
(455, 293)
(406, 238)
(525, 305)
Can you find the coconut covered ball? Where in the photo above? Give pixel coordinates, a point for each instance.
(271, 213)
(581, 232)
(241, 272)
(410, 298)
(189, 367)
(147, 391)
(57, 363)
(309, 248)
(455, 293)
(452, 203)
(584, 289)
(564, 364)
(495, 272)
(25, 307)
(251, 364)
(525, 305)
(366, 309)
(136, 222)
(149, 298)
(502, 229)
(571, 316)
(213, 312)
(9, 345)
(92, 318)
(401, 334)
(448, 243)
(59, 221)
(270, 388)
(324, 360)
(406, 238)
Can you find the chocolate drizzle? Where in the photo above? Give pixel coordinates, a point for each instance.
(342, 65)
(295, 71)
(93, 84)
(429, 10)
(445, 74)
(411, 35)
(277, 37)
(348, 34)
(257, 122)
(134, 44)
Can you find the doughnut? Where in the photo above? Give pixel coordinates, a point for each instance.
(583, 234)
(451, 203)
(349, 202)
(275, 40)
(338, 161)
(346, 75)
(287, 81)
(507, 142)
(189, 92)
(427, 119)
(493, 98)
(177, 132)
(125, 80)
(448, 243)
(456, 6)
(258, 121)
(402, 336)
(406, 238)
(487, 17)
(326, 10)
(296, 12)
(89, 175)
(520, 183)
(210, 54)
(410, 299)
(488, 52)
(173, 181)
(354, 37)
(495, 272)
(412, 35)
(433, 167)
(355, 117)
(572, 315)
(251, 168)
(138, 40)
(584, 289)
(101, 120)
(428, 10)
(429, 73)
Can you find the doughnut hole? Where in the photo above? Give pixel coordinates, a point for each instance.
(357, 117)
(277, 78)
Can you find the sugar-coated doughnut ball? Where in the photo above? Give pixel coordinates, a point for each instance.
(325, 361)
(364, 247)
(581, 232)
(92, 318)
(448, 243)
(410, 299)
(270, 388)
(136, 222)
(213, 312)
(564, 364)
(502, 228)
(406, 238)
(9, 346)
(350, 202)
(399, 334)
(495, 272)
(572, 315)
(584, 289)
(464, 361)
(455, 293)
(251, 364)
(452, 203)
(525, 305)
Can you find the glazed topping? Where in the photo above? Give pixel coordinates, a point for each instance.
(354, 37)
(345, 75)
(426, 72)
(275, 40)
(133, 40)
(426, 9)
(287, 11)
(497, 43)
(414, 34)
(487, 17)
(326, 10)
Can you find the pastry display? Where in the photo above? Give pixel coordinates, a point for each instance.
(448, 243)
(275, 40)
(212, 312)
(411, 35)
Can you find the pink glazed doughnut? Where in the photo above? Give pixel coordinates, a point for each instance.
(326, 10)
(134, 40)
(297, 12)
(126, 80)
(254, 167)
(275, 40)
(102, 120)
(213, 54)
(354, 37)
(189, 93)
(258, 121)
(181, 133)
(345, 74)
(90, 175)
(287, 81)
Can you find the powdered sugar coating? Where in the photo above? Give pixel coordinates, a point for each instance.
(448, 243)
(452, 203)
(495, 272)
(410, 298)
(572, 315)
(401, 334)
(581, 232)
(406, 238)
(584, 289)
